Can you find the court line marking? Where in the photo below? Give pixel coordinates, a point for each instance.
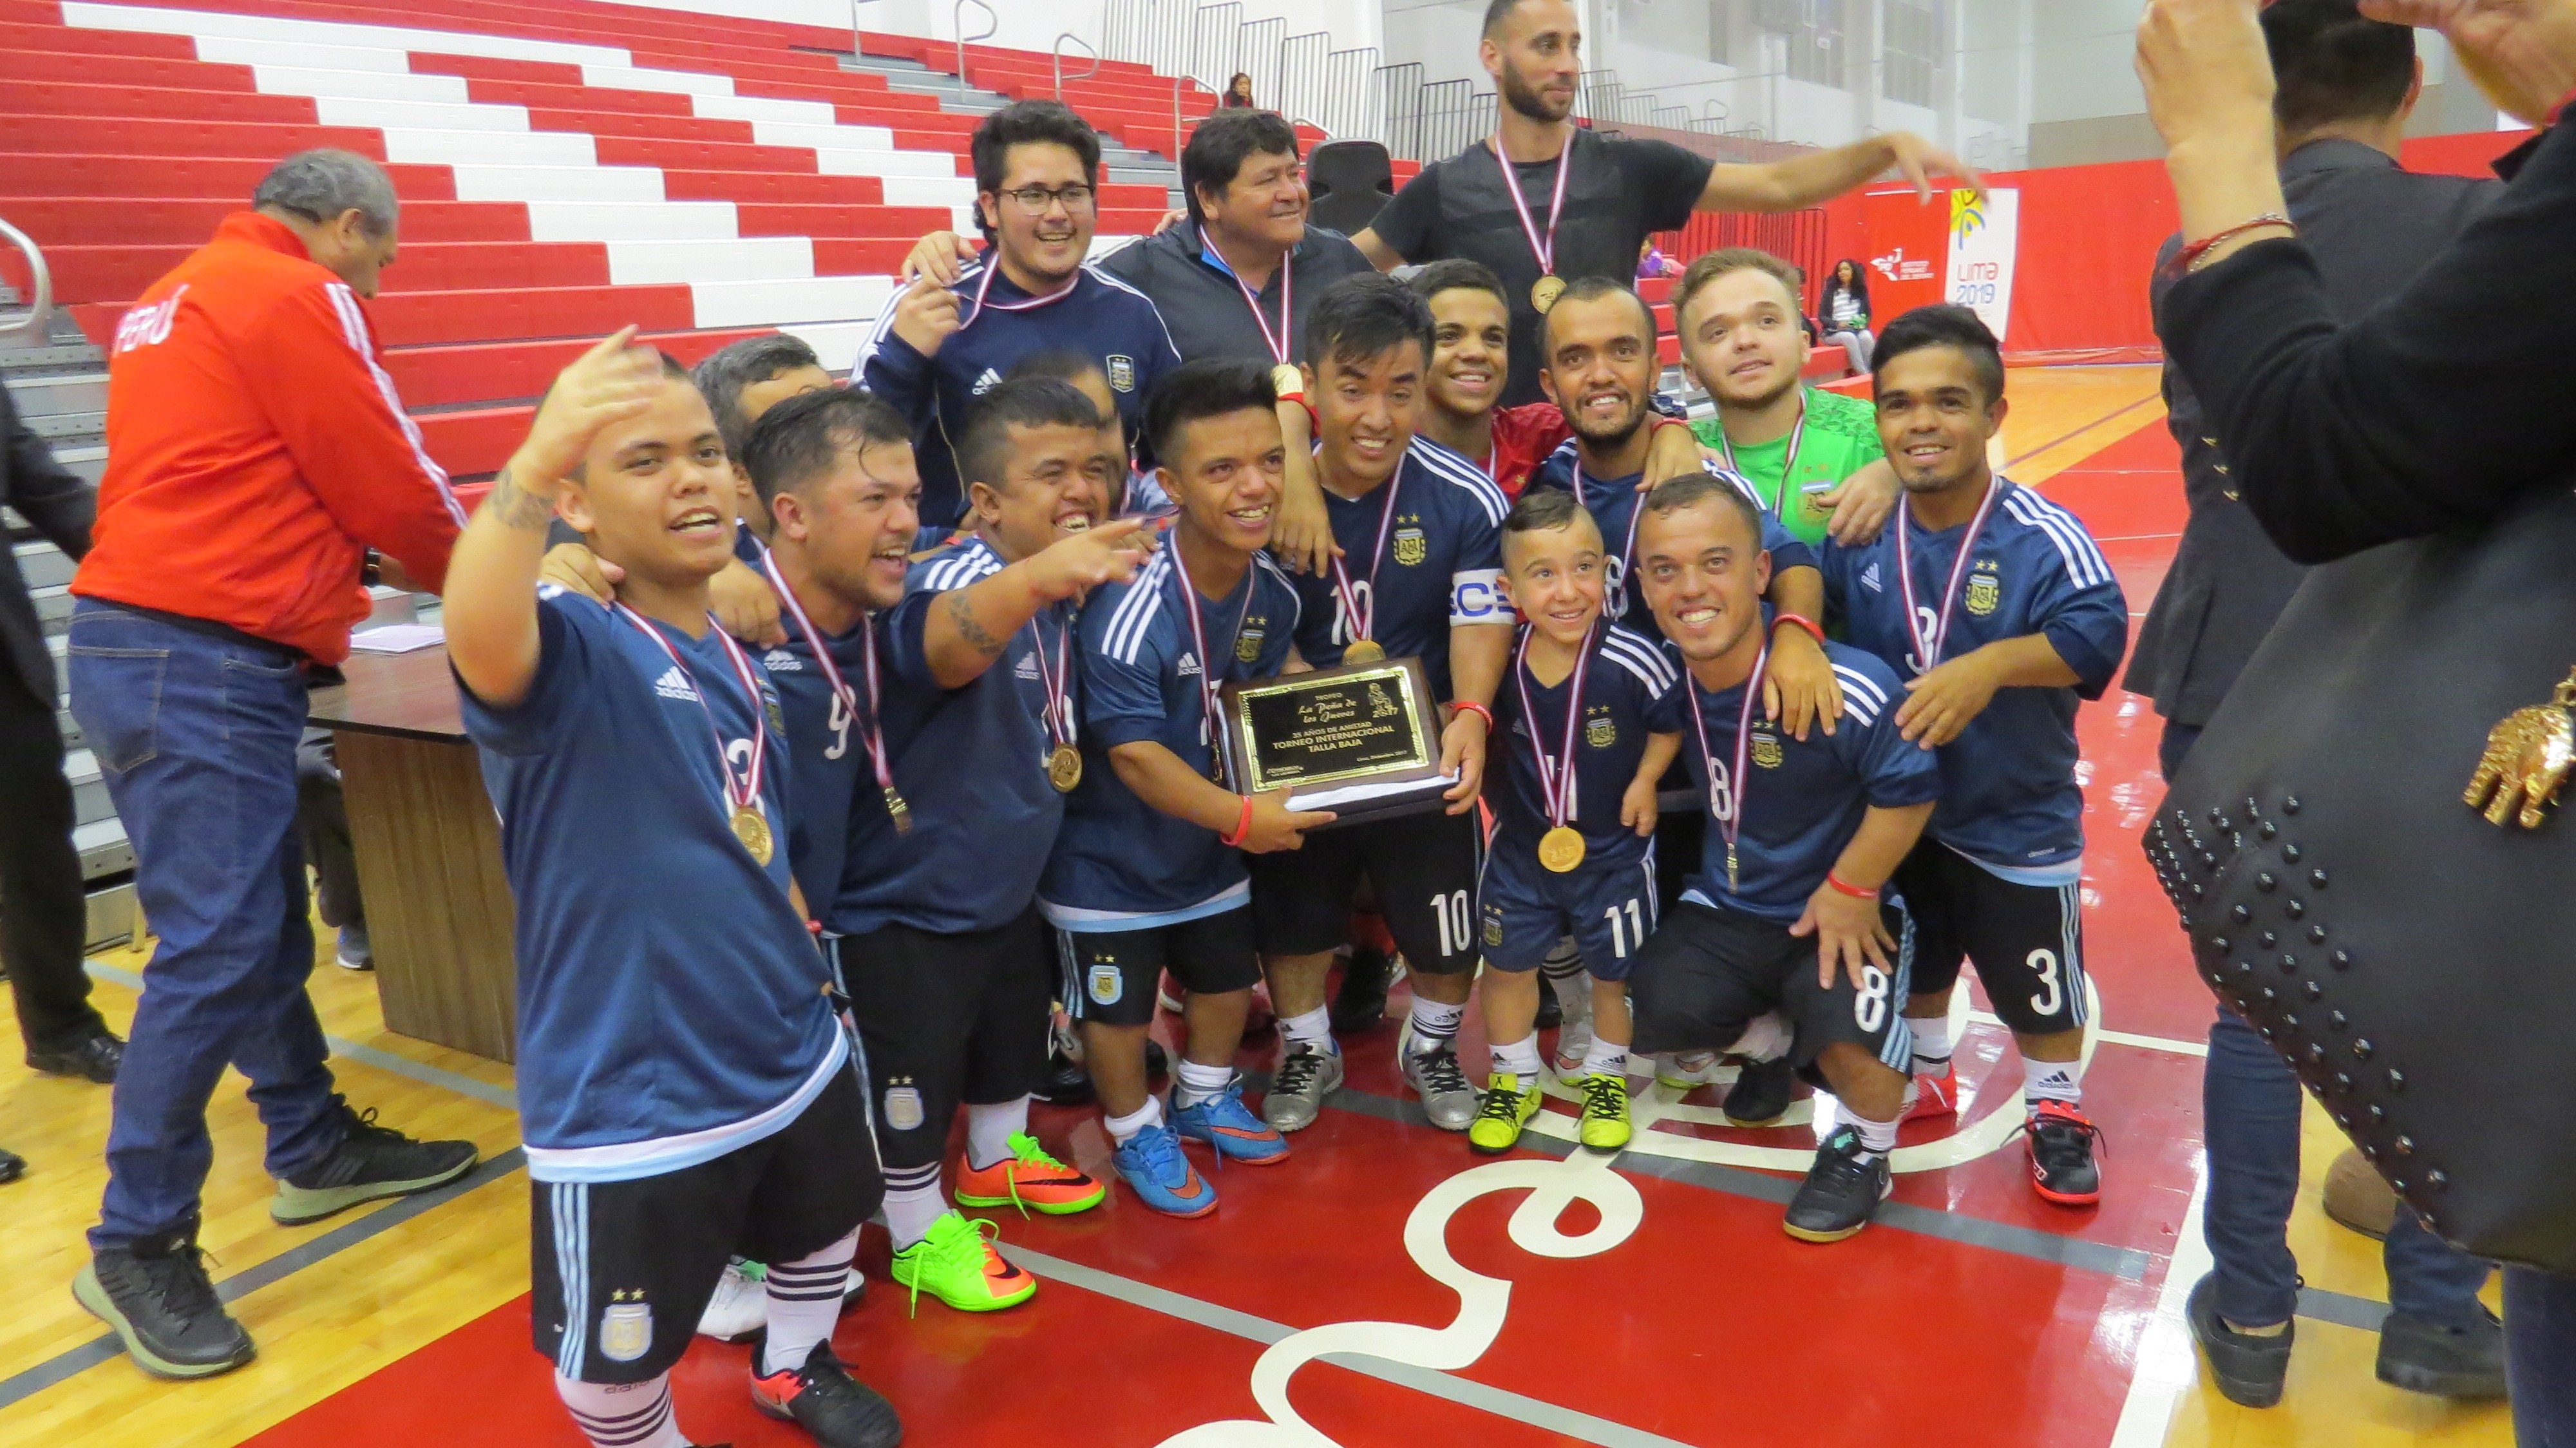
(2120, 1038)
(2079, 432)
(2167, 1364)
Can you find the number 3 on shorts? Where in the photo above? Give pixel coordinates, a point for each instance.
(2052, 995)
(1869, 1008)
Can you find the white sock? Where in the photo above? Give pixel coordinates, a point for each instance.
(1193, 1083)
(1605, 1058)
(1435, 1025)
(2061, 1081)
(1123, 1129)
(1767, 1038)
(913, 1202)
(1878, 1138)
(1520, 1058)
(804, 1302)
(989, 1130)
(1314, 1028)
(623, 1415)
(1932, 1044)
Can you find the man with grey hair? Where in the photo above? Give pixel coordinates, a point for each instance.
(256, 453)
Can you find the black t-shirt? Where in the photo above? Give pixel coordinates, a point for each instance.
(1621, 191)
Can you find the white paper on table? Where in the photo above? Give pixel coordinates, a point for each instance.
(399, 638)
(1361, 793)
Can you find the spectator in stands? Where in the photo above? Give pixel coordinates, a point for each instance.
(1844, 309)
(1653, 265)
(45, 923)
(256, 450)
(743, 380)
(1238, 93)
(1576, 203)
(940, 345)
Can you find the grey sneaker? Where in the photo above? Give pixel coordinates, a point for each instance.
(1307, 1074)
(1435, 1076)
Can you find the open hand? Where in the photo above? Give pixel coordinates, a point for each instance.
(1861, 504)
(1069, 567)
(2522, 53)
(1850, 934)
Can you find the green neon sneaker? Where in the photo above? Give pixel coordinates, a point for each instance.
(1030, 1180)
(1606, 1123)
(1507, 1109)
(956, 1263)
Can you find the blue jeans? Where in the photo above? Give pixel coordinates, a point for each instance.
(2539, 1353)
(2250, 1106)
(196, 738)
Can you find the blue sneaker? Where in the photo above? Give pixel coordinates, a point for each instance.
(1152, 1163)
(1225, 1123)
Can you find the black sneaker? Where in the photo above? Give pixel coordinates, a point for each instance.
(94, 1057)
(822, 1398)
(158, 1298)
(1360, 1002)
(370, 1162)
(12, 1166)
(1761, 1092)
(1842, 1190)
(2247, 1368)
(2061, 1154)
(1158, 1062)
(2422, 1356)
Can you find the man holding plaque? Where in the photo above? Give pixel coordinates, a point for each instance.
(1785, 911)
(1417, 580)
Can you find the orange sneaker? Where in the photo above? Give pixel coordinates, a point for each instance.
(1028, 1179)
(1934, 1095)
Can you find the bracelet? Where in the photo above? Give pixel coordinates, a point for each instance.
(2189, 259)
(1242, 826)
(1801, 621)
(1470, 706)
(1847, 888)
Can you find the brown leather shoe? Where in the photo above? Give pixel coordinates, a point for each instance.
(2356, 1197)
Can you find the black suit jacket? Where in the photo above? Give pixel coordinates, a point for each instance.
(2371, 227)
(61, 507)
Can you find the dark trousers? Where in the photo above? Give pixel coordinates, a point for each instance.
(322, 818)
(196, 736)
(2539, 1350)
(2250, 1107)
(43, 915)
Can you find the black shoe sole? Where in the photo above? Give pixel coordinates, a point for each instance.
(2436, 1383)
(62, 1066)
(92, 1296)
(330, 1202)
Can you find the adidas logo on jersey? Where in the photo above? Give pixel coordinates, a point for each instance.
(986, 383)
(675, 685)
(1028, 668)
(1189, 664)
(781, 661)
(1869, 578)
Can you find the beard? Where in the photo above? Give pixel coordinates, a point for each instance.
(1612, 438)
(1523, 97)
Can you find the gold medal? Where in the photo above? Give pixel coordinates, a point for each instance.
(753, 831)
(1545, 291)
(1731, 885)
(1561, 849)
(1064, 768)
(1286, 379)
(899, 811)
(1363, 651)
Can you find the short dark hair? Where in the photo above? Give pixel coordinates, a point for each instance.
(1943, 324)
(1593, 289)
(1458, 273)
(801, 440)
(1542, 508)
(2332, 63)
(723, 373)
(1060, 363)
(1727, 260)
(1024, 123)
(1362, 318)
(1223, 142)
(984, 441)
(1196, 391)
(1496, 12)
(1691, 489)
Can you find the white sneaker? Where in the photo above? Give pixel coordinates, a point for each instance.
(1684, 1070)
(740, 1307)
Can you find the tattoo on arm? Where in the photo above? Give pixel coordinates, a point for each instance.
(962, 614)
(517, 508)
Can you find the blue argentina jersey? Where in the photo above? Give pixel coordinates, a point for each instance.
(828, 769)
(1626, 686)
(1439, 563)
(1121, 864)
(970, 763)
(1613, 506)
(2009, 796)
(670, 1001)
(1100, 318)
(1805, 798)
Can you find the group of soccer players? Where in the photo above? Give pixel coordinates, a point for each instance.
(1763, 770)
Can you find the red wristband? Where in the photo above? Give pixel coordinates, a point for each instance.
(1802, 621)
(1848, 888)
(1242, 826)
(2191, 254)
(1470, 706)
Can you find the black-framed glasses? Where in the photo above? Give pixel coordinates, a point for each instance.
(1035, 199)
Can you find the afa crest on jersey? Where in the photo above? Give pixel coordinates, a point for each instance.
(903, 1109)
(626, 1327)
(1411, 547)
(1600, 733)
(1122, 371)
(1766, 751)
(1985, 591)
(1247, 644)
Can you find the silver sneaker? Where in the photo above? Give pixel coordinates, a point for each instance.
(1434, 1076)
(1307, 1074)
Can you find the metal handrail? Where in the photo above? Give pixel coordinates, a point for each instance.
(1057, 55)
(957, 22)
(1308, 121)
(41, 279)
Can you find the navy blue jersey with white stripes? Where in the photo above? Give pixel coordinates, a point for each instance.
(1804, 799)
(1100, 317)
(970, 763)
(1625, 686)
(1438, 565)
(1120, 863)
(670, 1001)
(1613, 505)
(828, 768)
(2009, 796)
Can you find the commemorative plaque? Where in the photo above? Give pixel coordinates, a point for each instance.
(1362, 740)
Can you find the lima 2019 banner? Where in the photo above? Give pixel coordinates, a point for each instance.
(1959, 248)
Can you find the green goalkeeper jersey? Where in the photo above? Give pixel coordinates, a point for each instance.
(1838, 438)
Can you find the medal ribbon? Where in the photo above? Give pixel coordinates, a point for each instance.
(1728, 805)
(1544, 248)
(1058, 682)
(1788, 460)
(875, 736)
(1927, 651)
(1618, 600)
(1210, 705)
(1277, 341)
(739, 794)
(1555, 781)
(993, 269)
(1364, 625)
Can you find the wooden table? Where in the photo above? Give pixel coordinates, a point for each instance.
(429, 852)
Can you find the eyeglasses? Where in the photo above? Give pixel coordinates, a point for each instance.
(1034, 199)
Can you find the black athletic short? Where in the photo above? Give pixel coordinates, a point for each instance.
(947, 1020)
(623, 1270)
(2027, 941)
(1707, 974)
(1679, 839)
(1424, 868)
(1112, 976)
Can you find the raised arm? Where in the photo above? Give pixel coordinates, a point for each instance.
(968, 628)
(1820, 176)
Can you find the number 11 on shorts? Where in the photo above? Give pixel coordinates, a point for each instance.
(1628, 934)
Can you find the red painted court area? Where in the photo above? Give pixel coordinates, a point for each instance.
(1971, 1314)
